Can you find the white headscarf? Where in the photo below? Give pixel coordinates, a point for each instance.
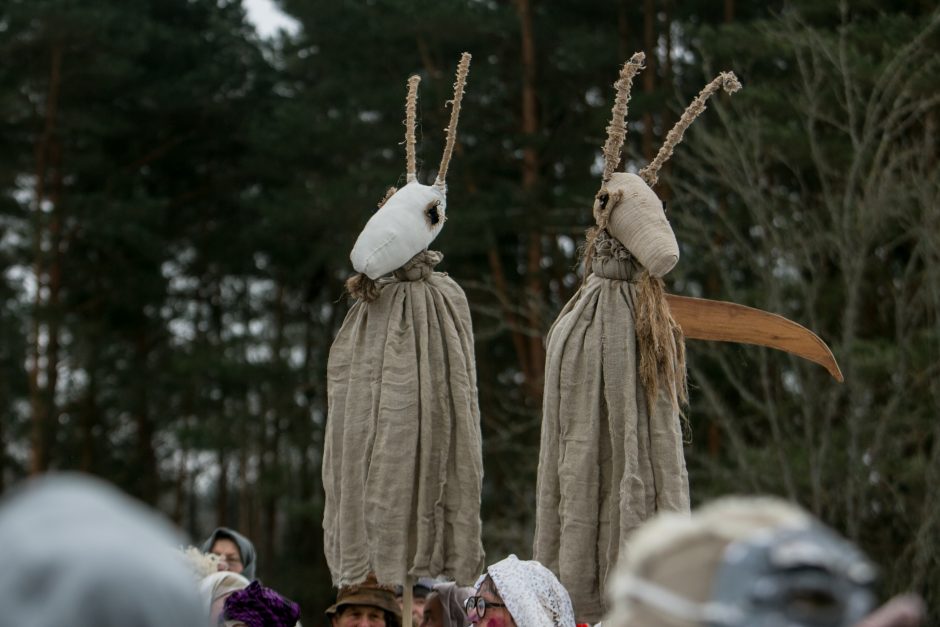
(532, 594)
(220, 583)
(77, 552)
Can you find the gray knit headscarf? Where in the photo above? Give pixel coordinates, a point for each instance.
(245, 548)
(453, 598)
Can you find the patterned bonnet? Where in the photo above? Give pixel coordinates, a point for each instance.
(532, 594)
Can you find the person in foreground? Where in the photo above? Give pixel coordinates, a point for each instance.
(77, 552)
(513, 592)
(741, 562)
(368, 604)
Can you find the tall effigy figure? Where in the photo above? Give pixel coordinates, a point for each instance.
(402, 464)
(611, 450)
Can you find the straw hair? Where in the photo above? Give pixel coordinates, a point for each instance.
(727, 81)
(362, 287)
(410, 106)
(463, 68)
(388, 194)
(617, 130)
(661, 344)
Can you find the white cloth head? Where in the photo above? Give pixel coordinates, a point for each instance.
(404, 226)
(532, 594)
(77, 552)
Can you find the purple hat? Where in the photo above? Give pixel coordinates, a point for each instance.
(257, 606)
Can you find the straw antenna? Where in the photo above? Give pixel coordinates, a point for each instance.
(727, 81)
(617, 130)
(463, 68)
(410, 104)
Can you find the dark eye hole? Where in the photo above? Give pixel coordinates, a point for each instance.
(604, 197)
(433, 213)
(665, 210)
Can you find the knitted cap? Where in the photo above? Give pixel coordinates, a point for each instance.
(257, 606)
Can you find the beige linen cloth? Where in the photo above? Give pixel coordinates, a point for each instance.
(402, 464)
(606, 463)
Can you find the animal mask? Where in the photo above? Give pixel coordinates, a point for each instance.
(411, 217)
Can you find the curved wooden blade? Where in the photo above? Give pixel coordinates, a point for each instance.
(720, 321)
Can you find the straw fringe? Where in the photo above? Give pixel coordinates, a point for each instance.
(604, 202)
(661, 344)
(617, 130)
(727, 81)
(362, 287)
(463, 68)
(410, 106)
(388, 194)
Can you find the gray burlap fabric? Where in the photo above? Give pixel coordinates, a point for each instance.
(402, 465)
(606, 463)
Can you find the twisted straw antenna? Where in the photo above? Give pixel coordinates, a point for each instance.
(463, 68)
(410, 104)
(617, 129)
(727, 81)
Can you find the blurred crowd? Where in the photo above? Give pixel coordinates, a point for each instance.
(77, 552)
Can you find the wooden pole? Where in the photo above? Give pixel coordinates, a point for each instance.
(407, 594)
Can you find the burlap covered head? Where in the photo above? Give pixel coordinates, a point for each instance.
(638, 221)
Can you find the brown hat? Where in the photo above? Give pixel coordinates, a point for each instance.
(369, 593)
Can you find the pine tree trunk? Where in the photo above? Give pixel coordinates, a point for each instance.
(244, 494)
(502, 294)
(662, 188)
(179, 487)
(221, 501)
(89, 417)
(148, 478)
(41, 453)
(4, 402)
(649, 74)
(625, 46)
(273, 442)
(535, 361)
(53, 309)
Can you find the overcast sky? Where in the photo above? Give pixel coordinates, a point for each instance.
(268, 19)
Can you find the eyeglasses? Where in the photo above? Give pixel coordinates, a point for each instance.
(480, 604)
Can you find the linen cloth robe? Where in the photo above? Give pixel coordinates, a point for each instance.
(402, 465)
(606, 463)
